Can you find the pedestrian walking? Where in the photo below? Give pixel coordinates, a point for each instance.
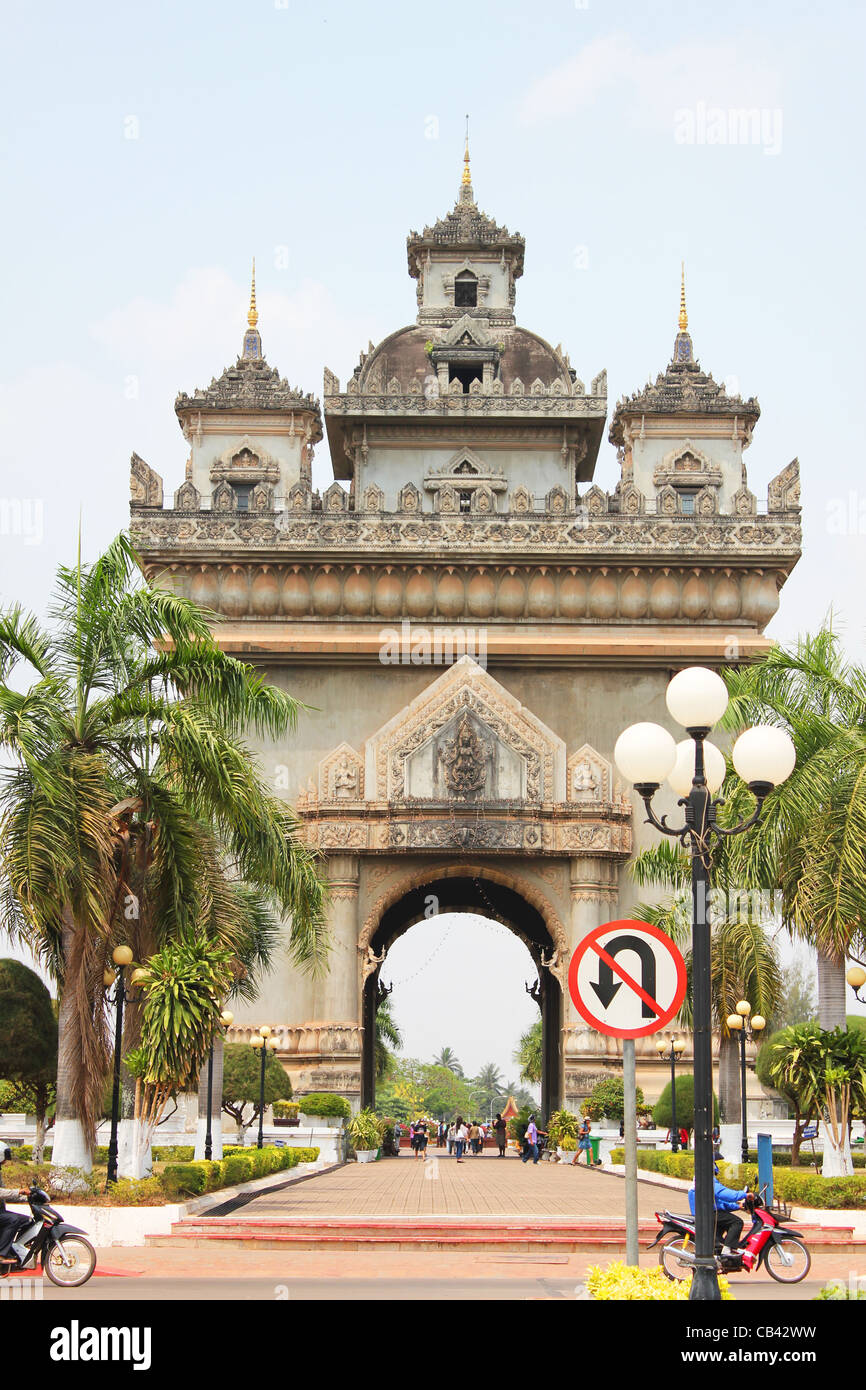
(451, 1137)
(461, 1134)
(500, 1129)
(530, 1148)
(584, 1144)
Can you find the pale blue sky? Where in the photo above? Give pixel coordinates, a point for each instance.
(150, 151)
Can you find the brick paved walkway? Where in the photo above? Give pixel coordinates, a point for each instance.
(483, 1186)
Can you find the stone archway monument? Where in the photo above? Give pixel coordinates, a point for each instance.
(465, 804)
(470, 621)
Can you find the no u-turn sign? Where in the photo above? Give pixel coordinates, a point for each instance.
(627, 979)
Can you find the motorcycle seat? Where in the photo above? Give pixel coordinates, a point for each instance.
(681, 1216)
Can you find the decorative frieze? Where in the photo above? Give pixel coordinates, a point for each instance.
(451, 593)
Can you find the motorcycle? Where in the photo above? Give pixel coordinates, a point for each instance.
(769, 1242)
(65, 1253)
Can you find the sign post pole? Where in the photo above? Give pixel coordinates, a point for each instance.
(630, 1130)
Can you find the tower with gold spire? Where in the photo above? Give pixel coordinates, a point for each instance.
(252, 337)
(683, 349)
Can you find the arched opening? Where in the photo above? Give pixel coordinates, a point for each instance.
(465, 290)
(482, 897)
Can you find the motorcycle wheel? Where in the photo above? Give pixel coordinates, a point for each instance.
(82, 1262)
(670, 1248)
(788, 1261)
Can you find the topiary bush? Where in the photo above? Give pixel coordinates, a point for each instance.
(662, 1114)
(322, 1103)
(607, 1100)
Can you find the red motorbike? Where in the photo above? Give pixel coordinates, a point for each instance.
(769, 1243)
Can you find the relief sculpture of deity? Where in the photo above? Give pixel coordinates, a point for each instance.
(465, 760)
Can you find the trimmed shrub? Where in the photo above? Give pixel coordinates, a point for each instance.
(621, 1282)
(192, 1179)
(324, 1104)
(802, 1189)
(662, 1114)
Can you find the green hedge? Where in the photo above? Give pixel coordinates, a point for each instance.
(193, 1179)
(782, 1159)
(322, 1103)
(803, 1189)
(179, 1153)
(679, 1165)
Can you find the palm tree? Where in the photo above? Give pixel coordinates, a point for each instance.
(809, 841)
(743, 960)
(447, 1058)
(488, 1088)
(132, 800)
(388, 1037)
(528, 1054)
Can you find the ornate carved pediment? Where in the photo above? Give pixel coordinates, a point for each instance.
(341, 775)
(466, 738)
(145, 486)
(783, 494)
(589, 776)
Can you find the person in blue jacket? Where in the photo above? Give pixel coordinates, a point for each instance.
(728, 1225)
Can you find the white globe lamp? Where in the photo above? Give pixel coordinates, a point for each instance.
(645, 754)
(764, 756)
(680, 778)
(697, 697)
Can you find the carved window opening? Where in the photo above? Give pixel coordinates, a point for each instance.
(465, 501)
(466, 290)
(687, 502)
(465, 375)
(243, 494)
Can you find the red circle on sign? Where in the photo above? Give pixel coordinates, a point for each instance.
(642, 929)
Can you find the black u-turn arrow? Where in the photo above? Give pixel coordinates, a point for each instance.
(607, 986)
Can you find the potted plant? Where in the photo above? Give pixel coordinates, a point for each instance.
(566, 1148)
(320, 1110)
(563, 1125)
(365, 1133)
(286, 1113)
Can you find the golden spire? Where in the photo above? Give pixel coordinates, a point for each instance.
(684, 318)
(252, 316)
(467, 177)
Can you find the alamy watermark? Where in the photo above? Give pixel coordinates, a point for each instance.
(414, 645)
(701, 124)
(24, 517)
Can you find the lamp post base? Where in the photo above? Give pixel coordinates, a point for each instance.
(705, 1285)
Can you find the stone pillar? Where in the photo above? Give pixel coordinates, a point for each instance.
(594, 896)
(328, 1056)
(336, 994)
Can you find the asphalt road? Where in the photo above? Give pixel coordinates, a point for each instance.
(249, 1289)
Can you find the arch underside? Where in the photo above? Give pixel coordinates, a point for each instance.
(483, 897)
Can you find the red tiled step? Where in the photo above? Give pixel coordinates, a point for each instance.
(477, 1234)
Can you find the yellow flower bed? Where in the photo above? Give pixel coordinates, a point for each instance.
(624, 1282)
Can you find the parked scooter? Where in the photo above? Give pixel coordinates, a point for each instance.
(65, 1253)
(768, 1243)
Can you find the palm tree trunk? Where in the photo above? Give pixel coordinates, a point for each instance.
(729, 1081)
(73, 1148)
(831, 990)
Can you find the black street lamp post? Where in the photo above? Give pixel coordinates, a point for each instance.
(264, 1043)
(226, 1019)
(695, 769)
(748, 1028)
(671, 1052)
(122, 957)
